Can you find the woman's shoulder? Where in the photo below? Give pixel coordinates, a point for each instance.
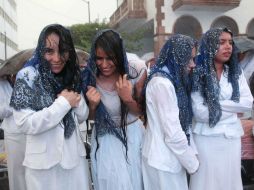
(159, 82)
(27, 73)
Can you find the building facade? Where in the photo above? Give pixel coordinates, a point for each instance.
(8, 28)
(163, 18)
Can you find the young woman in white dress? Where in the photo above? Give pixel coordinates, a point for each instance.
(48, 107)
(220, 92)
(109, 81)
(168, 151)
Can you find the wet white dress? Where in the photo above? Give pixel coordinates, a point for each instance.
(51, 160)
(219, 148)
(112, 168)
(166, 153)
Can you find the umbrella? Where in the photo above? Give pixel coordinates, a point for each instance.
(244, 43)
(16, 62)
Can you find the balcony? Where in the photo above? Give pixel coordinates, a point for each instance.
(205, 4)
(129, 12)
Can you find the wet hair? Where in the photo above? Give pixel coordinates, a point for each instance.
(205, 78)
(71, 72)
(46, 85)
(110, 43)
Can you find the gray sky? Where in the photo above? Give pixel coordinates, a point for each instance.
(33, 15)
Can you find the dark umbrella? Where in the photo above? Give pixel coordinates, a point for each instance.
(243, 43)
(15, 63)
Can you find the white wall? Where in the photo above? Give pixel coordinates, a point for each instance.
(6, 27)
(242, 15)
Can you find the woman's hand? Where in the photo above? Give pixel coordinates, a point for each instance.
(72, 97)
(124, 89)
(93, 97)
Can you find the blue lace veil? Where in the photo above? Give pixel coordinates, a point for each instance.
(175, 56)
(40, 92)
(205, 78)
(103, 121)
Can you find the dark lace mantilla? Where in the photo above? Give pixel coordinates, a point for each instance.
(37, 98)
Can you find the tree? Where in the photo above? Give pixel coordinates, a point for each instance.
(132, 40)
(83, 34)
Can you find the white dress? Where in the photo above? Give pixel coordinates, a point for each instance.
(166, 153)
(14, 140)
(219, 148)
(111, 167)
(51, 160)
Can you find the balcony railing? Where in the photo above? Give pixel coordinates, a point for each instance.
(230, 4)
(130, 9)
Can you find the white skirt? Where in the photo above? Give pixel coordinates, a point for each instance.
(220, 164)
(58, 178)
(15, 148)
(111, 168)
(162, 180)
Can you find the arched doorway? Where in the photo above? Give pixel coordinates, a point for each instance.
(228, 22)
(188, 25)
(250, 29)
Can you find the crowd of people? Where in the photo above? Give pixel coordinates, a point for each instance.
(153, 127)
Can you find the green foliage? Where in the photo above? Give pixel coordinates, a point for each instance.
(83, 34)
(132, 40)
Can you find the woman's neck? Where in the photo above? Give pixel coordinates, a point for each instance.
(107, 82)
(219, 69)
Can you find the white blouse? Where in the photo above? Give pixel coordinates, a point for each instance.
(229, 124)
(6, 112)
(46, 145)
(165, 145)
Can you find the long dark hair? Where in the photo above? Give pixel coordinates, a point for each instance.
(71, 72)
(47, 85)
(112, 46)
(205, 78)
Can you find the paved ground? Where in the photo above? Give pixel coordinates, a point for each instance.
(249, 187)
(4, 181)
(5, 186)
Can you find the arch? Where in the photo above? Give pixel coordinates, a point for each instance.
(188, 25)
(225, 21)
(250, 29)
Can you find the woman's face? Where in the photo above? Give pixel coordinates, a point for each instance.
(105, 63)
(52, 54)
(191, 65)
(225, 50)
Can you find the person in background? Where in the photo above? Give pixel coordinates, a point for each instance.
(247, 121)
(246, 61)
(220, 92)
(140, 66)
(14, 139)
(47, 107)
(108, 82)
(167, 153)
